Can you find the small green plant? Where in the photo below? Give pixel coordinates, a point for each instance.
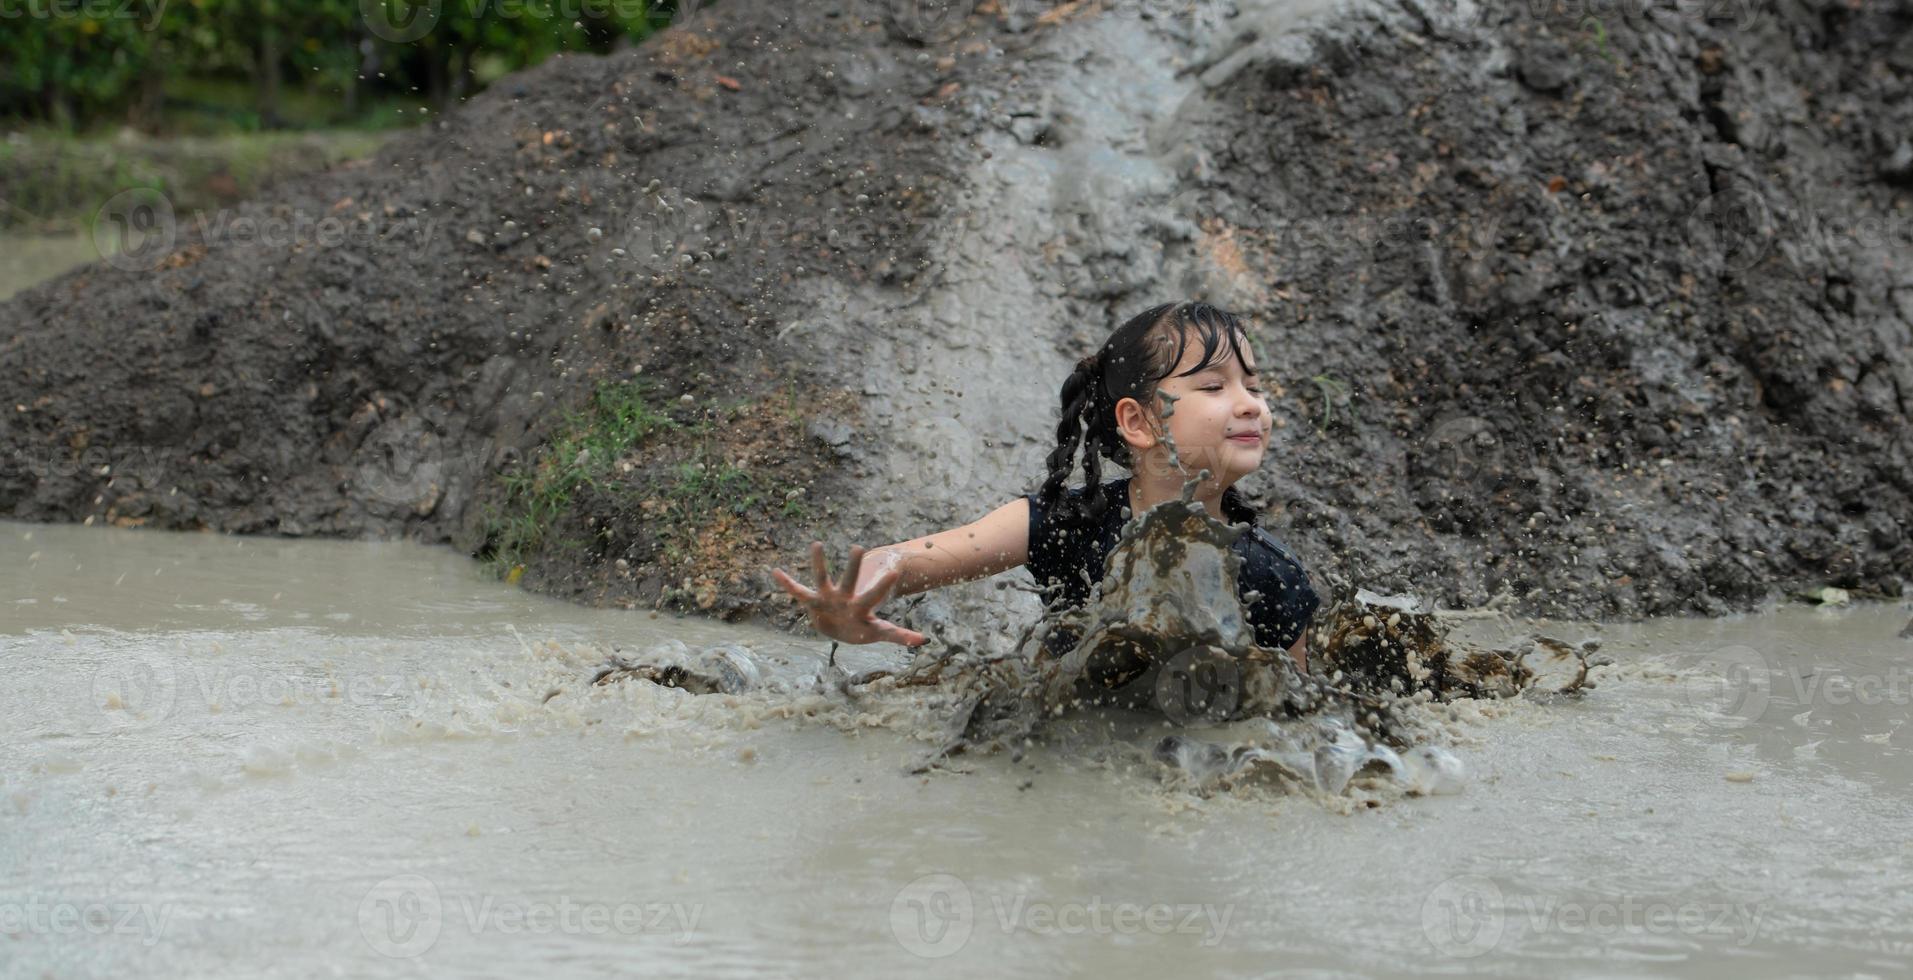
(614, 420)
(1600, 38)
(677, 503)
(698, 484)
(794, 508)
(691, 492)
(1332, 391)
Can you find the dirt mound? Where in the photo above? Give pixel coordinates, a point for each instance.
(1602, 307)
(1619, 307)
(599, 253)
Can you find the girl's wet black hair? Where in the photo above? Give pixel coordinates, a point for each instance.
(1132, 362)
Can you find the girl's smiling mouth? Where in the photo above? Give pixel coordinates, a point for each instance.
(1247, 438)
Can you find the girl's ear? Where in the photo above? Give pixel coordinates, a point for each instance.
(1135, 424)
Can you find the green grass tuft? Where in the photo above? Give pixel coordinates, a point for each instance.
(617, 419)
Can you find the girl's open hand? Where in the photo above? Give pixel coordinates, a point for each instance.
(841, 612)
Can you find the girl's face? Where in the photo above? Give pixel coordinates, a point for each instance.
(1221, 420)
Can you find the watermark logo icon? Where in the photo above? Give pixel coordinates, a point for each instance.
(402, 479)
(1204, 17)
(1735, 224)
(1463, 916)
(1730, 687)
(135, 229)
(400, 467)
(136, 690)
(945, 450)
(1200, 685)
(669, 229)
(400, 21)
(930, 21)
(1460, 449)
(401, 916)
(933, 916)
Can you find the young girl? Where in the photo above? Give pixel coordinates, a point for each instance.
(1191, 356)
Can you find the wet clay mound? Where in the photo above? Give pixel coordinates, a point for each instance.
(1606, 312)
(380, 348)
(1611, 312)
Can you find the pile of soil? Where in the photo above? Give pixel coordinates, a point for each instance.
(387, 348)
(1621, 306)
(1606, 312)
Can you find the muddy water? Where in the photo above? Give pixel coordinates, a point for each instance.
(260, 758)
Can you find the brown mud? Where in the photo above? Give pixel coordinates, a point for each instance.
(1162, 634)
(396, 347)
(1605, 309)
(1631, 331)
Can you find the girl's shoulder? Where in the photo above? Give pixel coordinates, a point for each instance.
(1115, 491)
(1061, 549)
(1280, 596)
(1267, 561)
(1261, 540)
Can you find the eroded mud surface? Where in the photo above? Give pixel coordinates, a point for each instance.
(1605, 315)
(1164, 635)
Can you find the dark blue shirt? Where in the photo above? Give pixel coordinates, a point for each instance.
(1067, 562)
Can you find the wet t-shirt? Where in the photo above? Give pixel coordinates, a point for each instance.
(1067, 562)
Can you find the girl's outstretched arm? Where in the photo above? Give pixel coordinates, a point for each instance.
(996, 542)
(846, 610)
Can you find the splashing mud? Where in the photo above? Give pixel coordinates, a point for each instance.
(1163, 634)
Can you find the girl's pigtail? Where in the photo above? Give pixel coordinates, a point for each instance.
(1093, 504)
(1235, 509)
(1079, 399)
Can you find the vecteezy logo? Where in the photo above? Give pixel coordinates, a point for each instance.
(930, 21)
(945, 450)
(401, 917)
(1730, 687)
(933, 916)
(417, 19)
(134, 229)
(1734, 223)
(1202, 16)
(402, 480)
(1463, 916)
(135, 690)
(400, 467)
(668, 229)
(1200, 685)
(1459, 449)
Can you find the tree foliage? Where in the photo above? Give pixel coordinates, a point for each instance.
(77, 62)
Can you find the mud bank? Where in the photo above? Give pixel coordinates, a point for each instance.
(1603, 308)
(600, 255)
(1618, 296)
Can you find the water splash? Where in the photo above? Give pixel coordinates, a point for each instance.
(1163, 633)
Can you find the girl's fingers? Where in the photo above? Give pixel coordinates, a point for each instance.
(891, 632)
(878, 591)
(819, 572)
(790, 585)
(849, 584)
